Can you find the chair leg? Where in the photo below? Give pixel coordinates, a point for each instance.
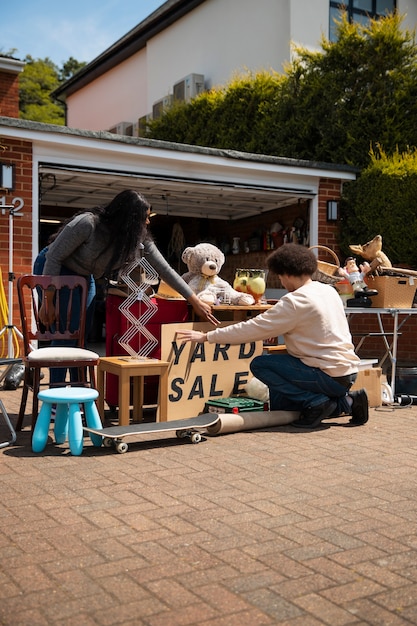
(92, 376)
(82, 376)
(35, 389)
(23, 401)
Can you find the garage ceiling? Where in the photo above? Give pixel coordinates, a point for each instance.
(66, 190)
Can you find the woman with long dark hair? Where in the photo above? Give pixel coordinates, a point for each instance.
(101, 242)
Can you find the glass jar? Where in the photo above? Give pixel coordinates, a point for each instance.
(251, 281)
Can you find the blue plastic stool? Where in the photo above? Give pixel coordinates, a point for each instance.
(68, 420)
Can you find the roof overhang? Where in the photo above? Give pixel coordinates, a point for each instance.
(10, 65)
(82, 169)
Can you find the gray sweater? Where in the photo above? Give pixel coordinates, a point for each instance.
(84, 246)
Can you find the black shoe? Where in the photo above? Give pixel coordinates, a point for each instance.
(310, 418)
(360, 410)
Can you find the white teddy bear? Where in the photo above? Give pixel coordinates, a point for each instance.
(204, 262)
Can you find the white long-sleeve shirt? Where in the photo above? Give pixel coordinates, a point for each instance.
(313, 323)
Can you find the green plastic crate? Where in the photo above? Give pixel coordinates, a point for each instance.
(226, 405)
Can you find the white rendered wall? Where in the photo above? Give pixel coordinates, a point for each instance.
(217, 39)
(115, 97)
(409, 9)
(308, 22)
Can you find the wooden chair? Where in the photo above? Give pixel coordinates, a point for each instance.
(70, 294)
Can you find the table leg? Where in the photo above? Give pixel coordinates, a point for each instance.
(124, 399)
(394, 353)
(138, 395)
(100, 389)
(239, 316)
(162, 411)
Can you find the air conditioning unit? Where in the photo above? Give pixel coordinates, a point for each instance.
(189, 87)
(159, 106)
(142, 125)
(123, 128)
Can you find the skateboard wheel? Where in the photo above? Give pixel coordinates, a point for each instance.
(107, 442)
(181, 434)
(195, 438)
(122, 447)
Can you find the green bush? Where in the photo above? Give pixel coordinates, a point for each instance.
(383, 201)
(329, 105)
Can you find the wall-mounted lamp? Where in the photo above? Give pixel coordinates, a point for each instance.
(332, 210)
(6, 176)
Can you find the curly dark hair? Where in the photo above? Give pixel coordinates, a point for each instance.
(292, 259)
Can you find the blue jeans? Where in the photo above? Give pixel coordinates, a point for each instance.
(58, 374)
(294, 386)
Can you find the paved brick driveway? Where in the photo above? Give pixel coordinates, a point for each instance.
(265, 527)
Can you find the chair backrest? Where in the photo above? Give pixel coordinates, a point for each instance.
(70, 303)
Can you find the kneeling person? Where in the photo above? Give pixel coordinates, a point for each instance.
(316, 375)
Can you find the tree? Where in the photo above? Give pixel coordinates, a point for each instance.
(359, 92)
(69, 68)
(330, 106)
(37, 81)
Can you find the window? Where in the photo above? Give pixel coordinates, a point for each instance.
(359, 11)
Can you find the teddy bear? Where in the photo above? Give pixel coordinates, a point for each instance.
(204, 262)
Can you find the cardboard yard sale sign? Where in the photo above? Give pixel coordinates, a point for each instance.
(198, 372)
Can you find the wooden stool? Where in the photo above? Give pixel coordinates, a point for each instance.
(127, 367)
(68, 420)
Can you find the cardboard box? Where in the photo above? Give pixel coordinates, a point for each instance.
(393, 291)
(370, 379)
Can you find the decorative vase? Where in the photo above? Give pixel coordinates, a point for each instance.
(235, 246)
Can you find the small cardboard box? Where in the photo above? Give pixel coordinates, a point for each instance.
(370, 379)
(393, 291)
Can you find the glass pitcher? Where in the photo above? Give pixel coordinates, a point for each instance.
(251, 281)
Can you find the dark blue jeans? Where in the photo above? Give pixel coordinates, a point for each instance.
(58, 374)
(294, 386)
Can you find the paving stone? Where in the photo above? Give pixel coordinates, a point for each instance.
(249, 529)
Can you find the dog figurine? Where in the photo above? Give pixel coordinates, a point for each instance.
(372, 251)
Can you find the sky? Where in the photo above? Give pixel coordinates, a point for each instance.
(81, 29)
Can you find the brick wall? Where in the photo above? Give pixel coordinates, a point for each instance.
(9, 94)
(19, 153)
(329, 189)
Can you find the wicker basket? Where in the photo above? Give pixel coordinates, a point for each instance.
(393, 291)
(327, 272)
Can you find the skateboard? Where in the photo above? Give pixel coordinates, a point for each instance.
(186, 428)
